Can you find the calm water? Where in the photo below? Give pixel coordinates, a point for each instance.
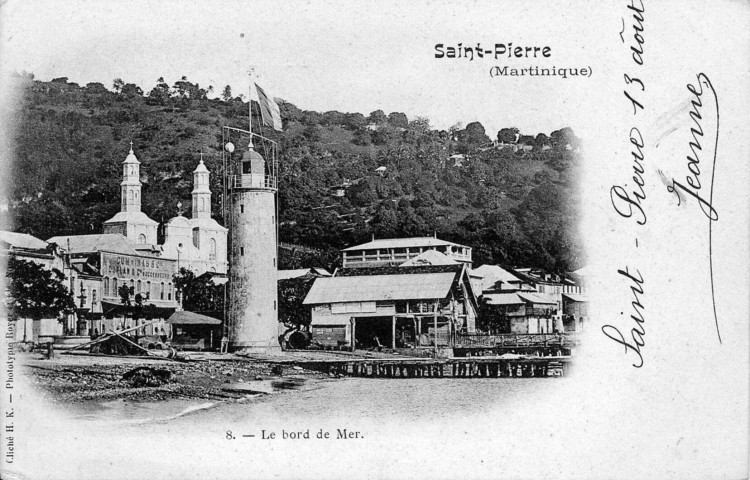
(362, 398)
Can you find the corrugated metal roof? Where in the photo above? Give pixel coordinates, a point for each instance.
(110, 242)
(286, 274)
(421, 286)
(430, 257)
(402, 243)
(22, 240)
(534, 297)
(190, 318)
(504, 299)
(489, 275)
(576, 297)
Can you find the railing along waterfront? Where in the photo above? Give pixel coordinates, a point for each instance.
(515, 339)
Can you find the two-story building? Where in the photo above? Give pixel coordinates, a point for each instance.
(390, 252)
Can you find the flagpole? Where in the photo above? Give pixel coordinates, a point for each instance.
(250, 72)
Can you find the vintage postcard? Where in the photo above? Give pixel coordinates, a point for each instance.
(331, 239)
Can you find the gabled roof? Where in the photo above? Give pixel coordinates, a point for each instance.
(430, 257)
(22, 240)
(486, 276)
(503, 299)
(418, 286)
(110, 242)
(287, 274)
(402, 243)
(131, 217)
(576, 297)
(543, 298)
(190, 318)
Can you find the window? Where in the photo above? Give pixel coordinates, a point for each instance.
(141, 238)
(212, 249)
(114, 287)
(106, 286)
(139, 287)
(197, 237)
(130, 195)
(169, 291)
(83, 296)
(161, 292)
(148, 288)
(242, 208)
(93, 297)
(242, 250)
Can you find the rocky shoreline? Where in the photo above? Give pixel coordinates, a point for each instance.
(70, 379)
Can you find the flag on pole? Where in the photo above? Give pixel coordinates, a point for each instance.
(269, 111)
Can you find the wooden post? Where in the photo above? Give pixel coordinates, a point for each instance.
(434, 322)
(354, 334)
(393, 331)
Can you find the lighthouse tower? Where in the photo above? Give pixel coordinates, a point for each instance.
(253, 311)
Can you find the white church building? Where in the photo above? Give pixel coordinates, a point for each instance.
(198, 244)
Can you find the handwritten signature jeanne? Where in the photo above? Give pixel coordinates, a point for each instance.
(702, 110)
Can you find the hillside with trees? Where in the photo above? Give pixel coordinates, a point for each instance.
(511, 195)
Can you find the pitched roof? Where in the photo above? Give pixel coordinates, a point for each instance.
(486, 276)
(22, 240)
(430, 257)
(132, 217)
(416, 286)
(576, 297)
(110, 242)
(402, 243)
(190, 318)
(286, 274)
(544, 298)
(503, 299)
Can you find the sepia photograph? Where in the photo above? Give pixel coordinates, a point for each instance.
(375, 240)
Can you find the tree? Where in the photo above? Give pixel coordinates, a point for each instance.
(398, 119)
(354, 121)
(159, 95)
(507, 135)
(474, 134)
(131, 90)
(377, 117)
(96, 87)
(292, 292)
(125, 293)
(36, 292)
(199, 294)
(541, 140)
(117, 84)
(420, 124)
(226, 94)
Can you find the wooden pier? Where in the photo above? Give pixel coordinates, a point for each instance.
(456, 367)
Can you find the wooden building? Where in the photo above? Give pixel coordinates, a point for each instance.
(525, 312)
(418, 306)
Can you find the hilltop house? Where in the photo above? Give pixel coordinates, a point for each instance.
(390, 252)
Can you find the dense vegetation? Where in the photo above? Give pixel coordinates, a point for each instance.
(515, 201)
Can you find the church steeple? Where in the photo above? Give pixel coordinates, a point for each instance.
(131, 183)
(201, 192)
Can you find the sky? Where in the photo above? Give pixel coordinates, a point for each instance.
(345, 56)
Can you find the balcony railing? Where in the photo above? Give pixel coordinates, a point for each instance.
(251, 181)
